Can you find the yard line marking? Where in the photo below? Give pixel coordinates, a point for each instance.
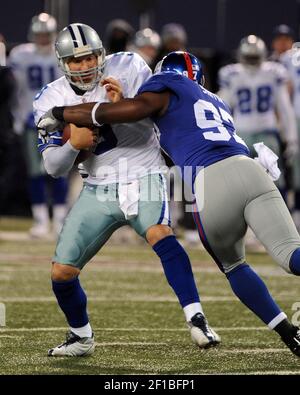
(254, 350)
(106, 299)
(104, 344)
(242, 328)
(53, 329)
(151, 299)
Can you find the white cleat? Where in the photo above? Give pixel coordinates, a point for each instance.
(202, 334)
(74, 346)
(40, 231)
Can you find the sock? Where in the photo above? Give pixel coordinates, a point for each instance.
(252, 291)
(59, 212)
(277, 320)
(84, 331)
(60, 190)
(72, 300)
(37, 192)
(177, 268)
(191, 309)
(40, 214)
(295, 262)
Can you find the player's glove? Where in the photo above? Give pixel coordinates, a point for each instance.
(52, 120)
(267, 159)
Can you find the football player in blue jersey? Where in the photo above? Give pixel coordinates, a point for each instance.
(113, 195)
(197, 132)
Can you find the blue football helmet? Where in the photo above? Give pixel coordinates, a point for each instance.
(183, 63)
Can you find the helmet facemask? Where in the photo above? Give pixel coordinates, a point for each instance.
(75, 42)
(77, 78)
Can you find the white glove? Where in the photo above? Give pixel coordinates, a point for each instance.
(268, 159)
(49, 123)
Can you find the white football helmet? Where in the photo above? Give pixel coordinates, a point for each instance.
(41, 24)
(78, 40)
(147, 37)
(252, 51)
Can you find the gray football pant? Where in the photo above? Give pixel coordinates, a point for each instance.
(236, 193)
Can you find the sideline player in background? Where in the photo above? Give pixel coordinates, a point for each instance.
(291, 60)
(146, 43)
(113, 195)
(34, 65)
(282, 41)
(197, 131)
(9, 152)
(256, 91)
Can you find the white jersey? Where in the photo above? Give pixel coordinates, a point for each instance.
(253, 94)
(291, 60)
(126, 151)
(32, 70)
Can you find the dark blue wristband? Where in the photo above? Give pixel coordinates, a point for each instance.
(58, 113)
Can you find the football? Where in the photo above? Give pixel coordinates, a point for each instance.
(83, 154)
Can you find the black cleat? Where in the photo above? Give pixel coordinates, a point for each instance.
(293, 341)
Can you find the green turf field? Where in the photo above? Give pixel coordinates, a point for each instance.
(138, 324)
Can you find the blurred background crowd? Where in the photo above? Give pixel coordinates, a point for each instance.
(243, 46)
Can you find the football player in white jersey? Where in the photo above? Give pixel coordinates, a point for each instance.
(146, 43)
(256, 90)
(291, 60)
(124, 167)
(34, 65)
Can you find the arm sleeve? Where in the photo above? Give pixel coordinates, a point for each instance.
(58, 161)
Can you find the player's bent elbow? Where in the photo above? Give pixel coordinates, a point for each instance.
(58, 161)
(52, 170)
(52, 167)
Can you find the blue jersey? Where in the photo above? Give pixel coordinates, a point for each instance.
(197, 129)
